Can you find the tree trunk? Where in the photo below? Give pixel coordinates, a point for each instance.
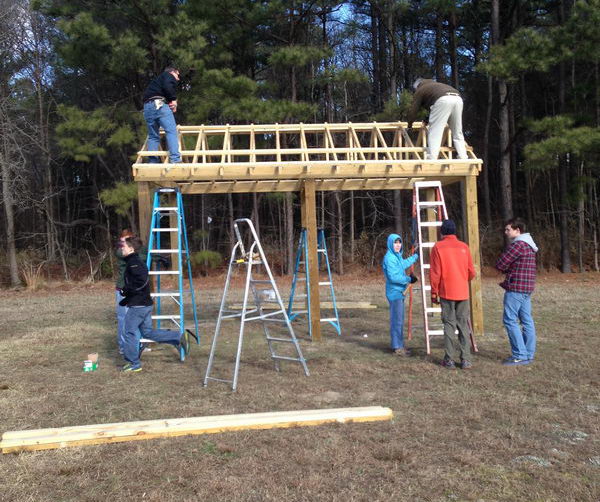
(487, 205)
(439, 49)
(340, 234)
(398, 212)
(452, 47)
(352, 228)
(8, 202)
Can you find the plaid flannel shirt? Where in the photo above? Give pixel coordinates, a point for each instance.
(518, 263)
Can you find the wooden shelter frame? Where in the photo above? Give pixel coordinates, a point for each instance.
(307, 158)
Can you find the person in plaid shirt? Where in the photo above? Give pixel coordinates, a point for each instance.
(518, 263)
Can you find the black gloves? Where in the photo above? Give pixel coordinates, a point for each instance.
(413, 278)
(123, 302)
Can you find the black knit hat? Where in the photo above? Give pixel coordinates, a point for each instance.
(448, 228)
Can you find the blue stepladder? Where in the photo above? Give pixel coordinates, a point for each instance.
(159, 248)
(301, 275)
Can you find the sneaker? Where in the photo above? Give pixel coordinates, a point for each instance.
(515, 361)
(130, 369)
(448, 364)
(402, 352)
(466, 365)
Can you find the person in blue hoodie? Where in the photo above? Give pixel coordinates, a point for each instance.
(396, 282)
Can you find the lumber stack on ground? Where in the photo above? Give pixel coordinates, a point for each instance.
(324, 305)
(62, 437)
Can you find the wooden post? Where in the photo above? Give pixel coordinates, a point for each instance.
(309, 221)
(472, 217)
(144, 209)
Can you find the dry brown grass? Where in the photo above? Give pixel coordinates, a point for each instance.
(456, 435)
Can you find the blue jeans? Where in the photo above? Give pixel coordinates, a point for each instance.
(517, 307)
(397, 323)
(139, 319)
(163, 117)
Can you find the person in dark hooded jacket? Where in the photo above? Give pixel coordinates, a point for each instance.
(396, 282)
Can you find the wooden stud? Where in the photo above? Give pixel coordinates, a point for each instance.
(472, 214)
(144, 210)
(46, 439)
(309, 201)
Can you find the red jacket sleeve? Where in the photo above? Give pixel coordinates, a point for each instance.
(435, 271)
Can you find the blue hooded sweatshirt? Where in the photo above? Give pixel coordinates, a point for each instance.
(394, 267)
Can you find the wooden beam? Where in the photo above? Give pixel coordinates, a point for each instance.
(472, 215)
(45, 439)
(144, 210)
(297, 170)
(309, 203)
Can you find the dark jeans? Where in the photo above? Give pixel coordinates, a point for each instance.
(455, 315)
(139, 320)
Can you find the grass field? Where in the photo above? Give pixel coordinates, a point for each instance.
(492, 433)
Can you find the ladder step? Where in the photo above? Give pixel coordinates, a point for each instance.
(430, 224)
(435, 332)
(300, 279)
(330, 319)
(321, 251)
(165, 230)
(427, 287)
(325, 283)
(428, 184)
(165, 208)
(431, 203)
(426, 266)
(165, 317)
(285, 340)
(427, 244)
(433, 310)
(164, 272)
(218, 379)
(172, 293)
(153, 251)
(285, 358)
(301, 295)
(260, 281)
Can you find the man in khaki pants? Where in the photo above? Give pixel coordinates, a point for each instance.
(445, 107)
(450, 273)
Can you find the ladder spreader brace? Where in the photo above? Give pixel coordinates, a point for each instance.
(265, 294)
(159, 267)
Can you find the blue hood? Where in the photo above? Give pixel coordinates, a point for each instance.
(390, 243)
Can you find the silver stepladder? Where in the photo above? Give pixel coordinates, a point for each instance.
(434, 208)
(170, 303)
(265, 294)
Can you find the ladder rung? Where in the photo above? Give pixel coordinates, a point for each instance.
(286, 340)
(427, 287)
(165, 230)
(321, 250)
(174, 293)
(433, 310)
(260, 281)
(165, 317)
(300, 295)
(325, 283)
(298, 312)
(164, 272)
(165, 208)
(428, 184)
(435, 332)
(285, 358)
(218, 379)
(152, 251)
(431, 224)
(431, 203)
(427, 244)
(330, 319)
(300, 279)
(426, 265)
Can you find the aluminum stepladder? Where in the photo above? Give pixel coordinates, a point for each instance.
(301, 255)
(265, 294)
(433, 206)
(177, 245)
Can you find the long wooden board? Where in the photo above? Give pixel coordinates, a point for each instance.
(324, 305)
(62, 437)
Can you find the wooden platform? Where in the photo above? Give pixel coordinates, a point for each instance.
(45, 439)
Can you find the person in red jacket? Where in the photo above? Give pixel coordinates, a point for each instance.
(450, 273)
